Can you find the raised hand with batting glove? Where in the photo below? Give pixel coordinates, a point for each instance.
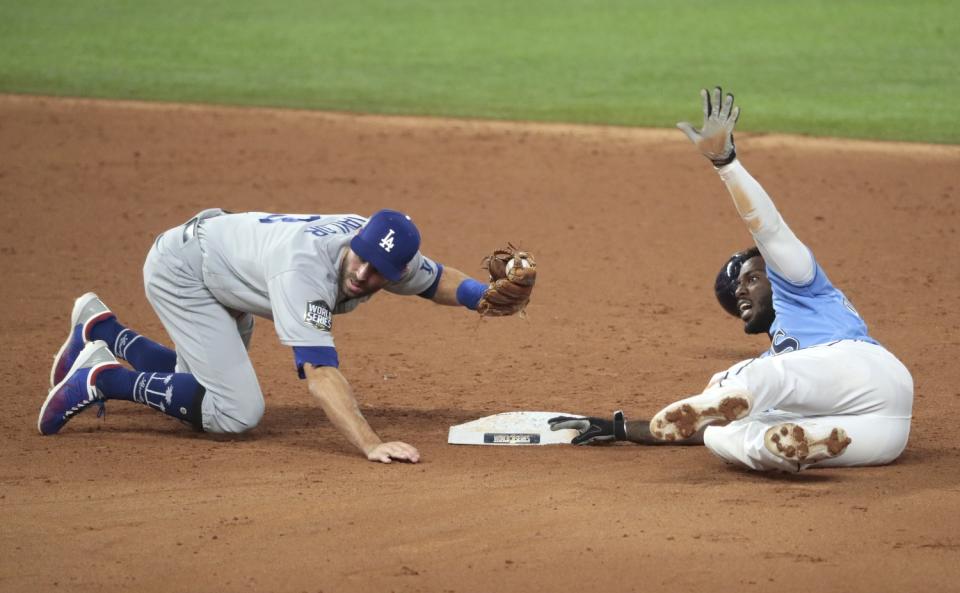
(715, 138)
(834, 417)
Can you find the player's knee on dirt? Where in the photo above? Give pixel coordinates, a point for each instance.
(234, 415)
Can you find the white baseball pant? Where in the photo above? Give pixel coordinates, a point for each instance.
(857, 386)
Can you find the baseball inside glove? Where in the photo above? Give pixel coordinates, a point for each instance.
(512, 275)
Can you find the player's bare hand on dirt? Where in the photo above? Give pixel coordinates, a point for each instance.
(593, 431)
(387, 452)
(715, 138)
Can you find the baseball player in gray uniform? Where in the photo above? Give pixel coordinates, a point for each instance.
(825, 392)
(208, 278)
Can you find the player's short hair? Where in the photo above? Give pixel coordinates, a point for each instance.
(728, 279)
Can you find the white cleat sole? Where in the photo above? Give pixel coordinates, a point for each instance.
(683, 419)
(793, 443)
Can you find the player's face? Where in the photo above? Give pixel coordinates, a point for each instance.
(358, 277)
(754, 297)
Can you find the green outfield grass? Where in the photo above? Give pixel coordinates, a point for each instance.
(870, 69)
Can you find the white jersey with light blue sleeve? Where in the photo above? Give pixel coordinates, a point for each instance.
(825, 392)
(809, 310)
(811, 314)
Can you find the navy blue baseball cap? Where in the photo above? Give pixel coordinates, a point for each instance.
(389, 241)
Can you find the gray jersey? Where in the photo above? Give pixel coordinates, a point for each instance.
(285, 267)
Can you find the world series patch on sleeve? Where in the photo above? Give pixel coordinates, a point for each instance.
(512, 428)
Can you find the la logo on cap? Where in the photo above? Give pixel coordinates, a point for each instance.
(389, 241)
(386, 243)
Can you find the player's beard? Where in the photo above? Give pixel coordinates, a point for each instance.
(348, 291)
(761, 320)
(345, 292)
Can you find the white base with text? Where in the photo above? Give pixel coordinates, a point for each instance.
(512, 428)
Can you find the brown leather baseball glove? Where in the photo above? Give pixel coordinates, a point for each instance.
(512, 275)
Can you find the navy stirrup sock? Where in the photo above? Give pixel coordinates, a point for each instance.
(175, 394)
(143, 353)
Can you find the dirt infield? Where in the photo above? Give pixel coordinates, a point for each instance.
(629, 228)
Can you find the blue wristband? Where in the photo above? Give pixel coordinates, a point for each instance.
(470, 292)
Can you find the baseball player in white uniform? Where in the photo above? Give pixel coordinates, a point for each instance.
(207, 280)
(825, 392)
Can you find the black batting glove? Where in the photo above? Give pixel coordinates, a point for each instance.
(593, 431)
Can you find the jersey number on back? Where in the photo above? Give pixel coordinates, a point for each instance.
(288, 218)
(339, 226)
